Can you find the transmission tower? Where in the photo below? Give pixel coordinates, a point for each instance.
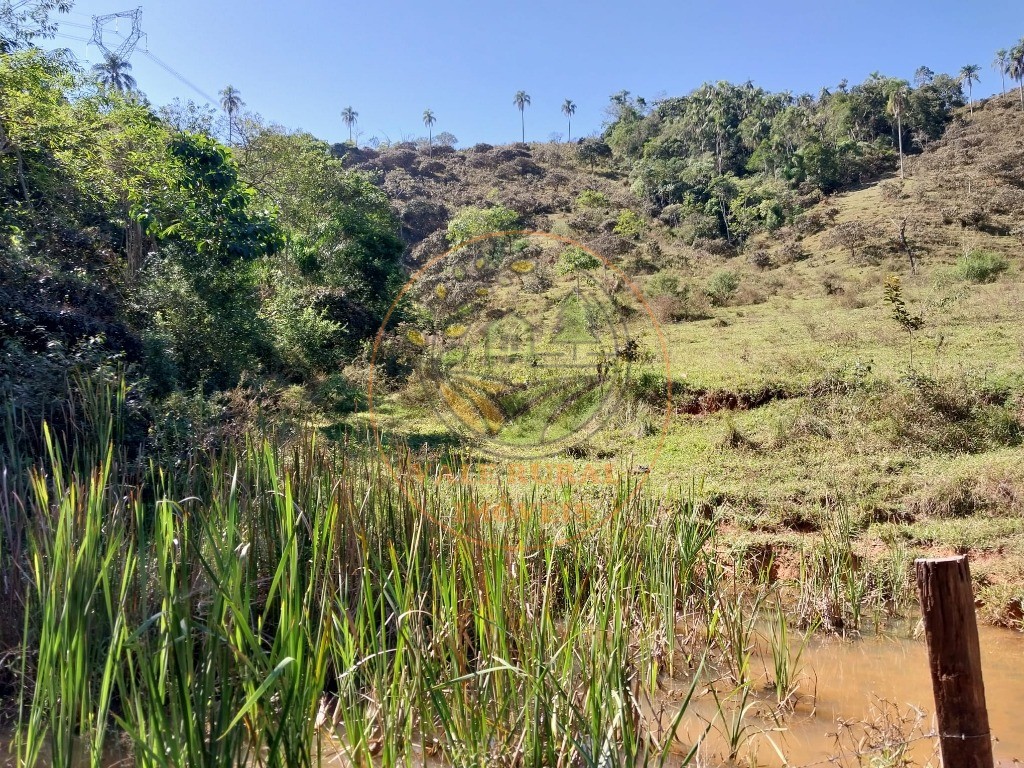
(123, 42)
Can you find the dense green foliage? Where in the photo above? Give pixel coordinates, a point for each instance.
(127, 242)
(472, 222)
(737, 158)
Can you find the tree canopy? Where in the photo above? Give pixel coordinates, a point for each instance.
(731, 153)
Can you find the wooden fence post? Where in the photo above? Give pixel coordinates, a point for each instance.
(954, 656)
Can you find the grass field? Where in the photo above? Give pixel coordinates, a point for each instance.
(801, 393)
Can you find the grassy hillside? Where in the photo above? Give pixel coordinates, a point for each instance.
(796, 392)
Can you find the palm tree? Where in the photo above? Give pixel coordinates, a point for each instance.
(897, 103)
(349, 117)
(231, 102)
(969, 75)
(999, 63)
(522, 101)
(569, 109)
(429, 120)
(1015, 69)
(113, 73)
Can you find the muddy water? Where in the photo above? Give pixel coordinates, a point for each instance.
(841, 680)
(866, 680)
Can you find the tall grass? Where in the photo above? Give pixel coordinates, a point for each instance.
(272, 605)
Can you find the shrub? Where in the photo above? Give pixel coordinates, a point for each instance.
(666, 298)
(473, 222)
(791, 252)
(698, 226)
(307, 339)
(590, 198)
(629, 224)
(663, 284)
(809, 223)
(722, 287)
(832, 284)
(673, 214)
(982, 266)
(761, 259)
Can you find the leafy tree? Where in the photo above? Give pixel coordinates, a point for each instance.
(209, 208)
(428, 121)
(349, 117)
(629, 224)
(522, 101)
(900, 314)
(446, 139)
(969, 74)
(699, 150)
(343, 248)
(759, 204)
(575, 261)
(922, 76)
(930, 107)
(231, 102)
(114, 72)
(21, 21)
(592, 150)
(188, 116)
(569, 109)
(1000, 64)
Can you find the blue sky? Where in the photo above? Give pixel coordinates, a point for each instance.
(300, 62)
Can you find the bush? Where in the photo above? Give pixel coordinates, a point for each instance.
(307, 339)
(722, 287)
(673, 214)
(629, 224)
(667, 308)
(590, 198)
(832, 284)
(663, 284)
(982, 266)
(791, 252)
(951, 416)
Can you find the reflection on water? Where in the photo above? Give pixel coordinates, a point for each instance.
(849, 678)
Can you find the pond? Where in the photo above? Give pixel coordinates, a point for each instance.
(855, 695)
(864, 692)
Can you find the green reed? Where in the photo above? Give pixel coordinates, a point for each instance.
(264, 604)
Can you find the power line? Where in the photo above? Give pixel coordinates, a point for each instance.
(71, 37)
(174, 73)
(128, 44)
